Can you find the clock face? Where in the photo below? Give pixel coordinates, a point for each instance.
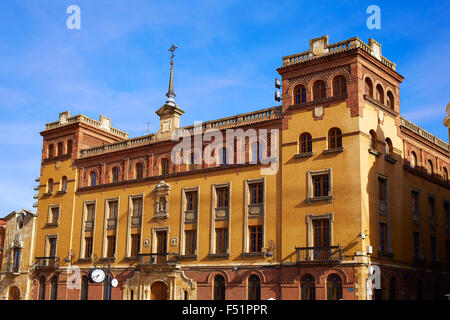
(98, 275)
(114, 283)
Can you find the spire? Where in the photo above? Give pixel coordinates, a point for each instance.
(171, 93)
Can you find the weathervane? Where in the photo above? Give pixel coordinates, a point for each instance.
(171, 93)
(172, 49)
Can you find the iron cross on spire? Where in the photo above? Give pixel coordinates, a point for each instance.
(172, 49)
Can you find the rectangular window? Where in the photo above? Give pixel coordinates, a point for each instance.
(414, 203)
(135, 243)
(190, 236)
(55, 215)
(447, 212)
(88, 247)
(447, 252)
(111, 250)
(320, 185)
(321, 228)
(221, 240)
(383, 237)
(256, 193)
(90, 208)
(137, 207)
(416, 239)
(222, 197)
(431, 208)
(255, 238)
(161, 241)
(382, 189)
(52, 246)
(433, 251)
(191, 200)
(113, 209)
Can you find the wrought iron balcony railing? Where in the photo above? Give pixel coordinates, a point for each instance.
(46, 262)
(156, 258)
(318, 254)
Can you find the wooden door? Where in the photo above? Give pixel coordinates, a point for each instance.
(321, 239)
(158, 291)
(161, 246)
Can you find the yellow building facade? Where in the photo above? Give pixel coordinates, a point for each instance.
(348, 188)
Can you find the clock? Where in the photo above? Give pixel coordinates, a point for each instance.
(114, 283)
(97, 275)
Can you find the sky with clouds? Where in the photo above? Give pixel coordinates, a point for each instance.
(117, 64)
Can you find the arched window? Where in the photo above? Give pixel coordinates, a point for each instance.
(300, 94)
(444, 174)
(193, 161)
(139, 170)
(413, 160)
(388, 147)
(93, 178)
(60, 148)
(305, 143)
(115, 175)
(390, 100)
(69, 147)
(429, 167)
(334, 287)
(380, 94)
(164, 167)
(50, 151)
(50, 186)
(319, 90)
(84, 288)
(373, 140)
(392, 288)
(54, 289)
(369, 87)
(339, 86)
(42, 288)
(64, 184)
(219, 288)
(256, 152)
(254, 288)
(308, 286)
(334, 138)
(223, 156)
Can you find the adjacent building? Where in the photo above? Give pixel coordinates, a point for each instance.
(17, 232)
(335, 182)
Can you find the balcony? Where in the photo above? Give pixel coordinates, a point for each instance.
(151, 259)
(135, 221)
(318, 254)
(111, 223)
(42, 263)
(89, 225)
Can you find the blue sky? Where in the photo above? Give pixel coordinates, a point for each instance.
(117, 64)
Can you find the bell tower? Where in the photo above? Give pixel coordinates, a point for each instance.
(169, 114)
